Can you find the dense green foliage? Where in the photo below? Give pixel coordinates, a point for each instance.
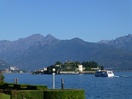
(73, 66)
(91, 64)
(7, 87)
(23, 91)
(64, 94)
(48, 94)
(27, 94)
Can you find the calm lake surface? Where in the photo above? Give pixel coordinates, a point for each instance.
(95, 87)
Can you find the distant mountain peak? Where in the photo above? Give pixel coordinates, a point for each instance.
(119, 40)
(129, 35)
(77, 39)
(36, 36)
(50, 38)
(105, 41)
(124, 39)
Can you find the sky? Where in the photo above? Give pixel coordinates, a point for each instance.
(90, 20)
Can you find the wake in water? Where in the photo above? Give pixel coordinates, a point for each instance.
(116, 76)
(123, 76)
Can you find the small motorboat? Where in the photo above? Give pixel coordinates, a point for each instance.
(104, 73)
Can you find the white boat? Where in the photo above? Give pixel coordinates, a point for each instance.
(104, 73)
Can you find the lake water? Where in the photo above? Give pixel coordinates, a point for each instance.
(95, 87)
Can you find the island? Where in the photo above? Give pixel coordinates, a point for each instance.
(71, 67)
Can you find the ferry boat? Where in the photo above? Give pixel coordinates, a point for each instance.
(104, 73)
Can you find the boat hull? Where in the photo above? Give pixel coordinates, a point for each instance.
(102, 73)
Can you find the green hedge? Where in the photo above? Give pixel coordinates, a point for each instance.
(48, 94)
(41, 87)
(27, 94)
(22, 86)
(21, 91)
(4, 96)
(64, 94)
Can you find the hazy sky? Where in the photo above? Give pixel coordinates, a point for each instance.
(90, 20)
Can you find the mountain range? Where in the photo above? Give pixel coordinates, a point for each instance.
(37, 51)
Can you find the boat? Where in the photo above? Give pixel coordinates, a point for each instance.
(104, 73)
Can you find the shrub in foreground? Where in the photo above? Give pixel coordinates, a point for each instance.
(64, 94)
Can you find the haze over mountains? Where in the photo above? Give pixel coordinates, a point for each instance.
(37, 51)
